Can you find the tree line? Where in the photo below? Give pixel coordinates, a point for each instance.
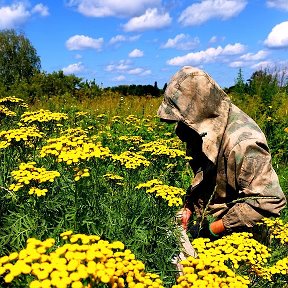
(21, 74)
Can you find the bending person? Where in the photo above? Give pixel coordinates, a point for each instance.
(234, 182)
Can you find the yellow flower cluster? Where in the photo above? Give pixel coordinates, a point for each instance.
(114, 177)
(149, 184)
(72, 149)
(234, 249)
(116, 119)
(240, 249)
(205, 272)
(42, 116)
(170, 193)
(81, 173)
(29, 174)
(81, 113)
(149, 118)
(286, 129)
(131, 139)
(101, 116)
(4, 144)
(280, 268)
(81, 262)
(277, 228)
(161, 148)
(78, 131)
(37, 191)
(131, 160)
(5, 111)
(13, 99)
(132, 119)
(26, 134)
(149, 127)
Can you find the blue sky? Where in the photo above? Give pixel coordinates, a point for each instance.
(120, 42)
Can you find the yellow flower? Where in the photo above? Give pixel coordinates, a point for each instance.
(77, 284)
(13, 256)
(66, 233)
(105, 278)
(46, 283)
(117, 245)
(9, 278)
(35, 284)
(74, 276)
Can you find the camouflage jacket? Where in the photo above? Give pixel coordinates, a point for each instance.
(236, 182)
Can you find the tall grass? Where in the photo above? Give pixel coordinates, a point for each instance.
(109, 104)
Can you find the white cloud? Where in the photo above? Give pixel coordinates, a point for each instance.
(213, 39)
(123, 65)
(267, 64)
(123, 38)
(182, 42)
(255, 57)
(117, 8)
(199, 13)
(17, 14)
(139, 71)
(278, 37)
(233, 49)
(136, 53)
(152, 19)
(120, 78)
(41, 9)
(13, 16)
(280, 4)
(135, 71)
(237, 64)
(207, 56)
(146, 72)
(250, 59)
(73, 68)
(262, 65)
(80, 42)
(117, 38)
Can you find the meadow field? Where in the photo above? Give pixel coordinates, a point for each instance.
(89, 192)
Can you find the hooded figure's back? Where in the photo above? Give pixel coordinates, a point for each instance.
(244, 183)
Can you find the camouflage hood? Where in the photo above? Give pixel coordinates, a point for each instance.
(194, 98)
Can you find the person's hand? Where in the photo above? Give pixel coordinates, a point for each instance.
(184, 214)
(185, 217)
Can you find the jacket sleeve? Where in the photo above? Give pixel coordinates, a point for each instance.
(260, 195)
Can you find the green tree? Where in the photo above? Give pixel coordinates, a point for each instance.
(264, 84)
(88, 89)
(18, 58)
(239, 87)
